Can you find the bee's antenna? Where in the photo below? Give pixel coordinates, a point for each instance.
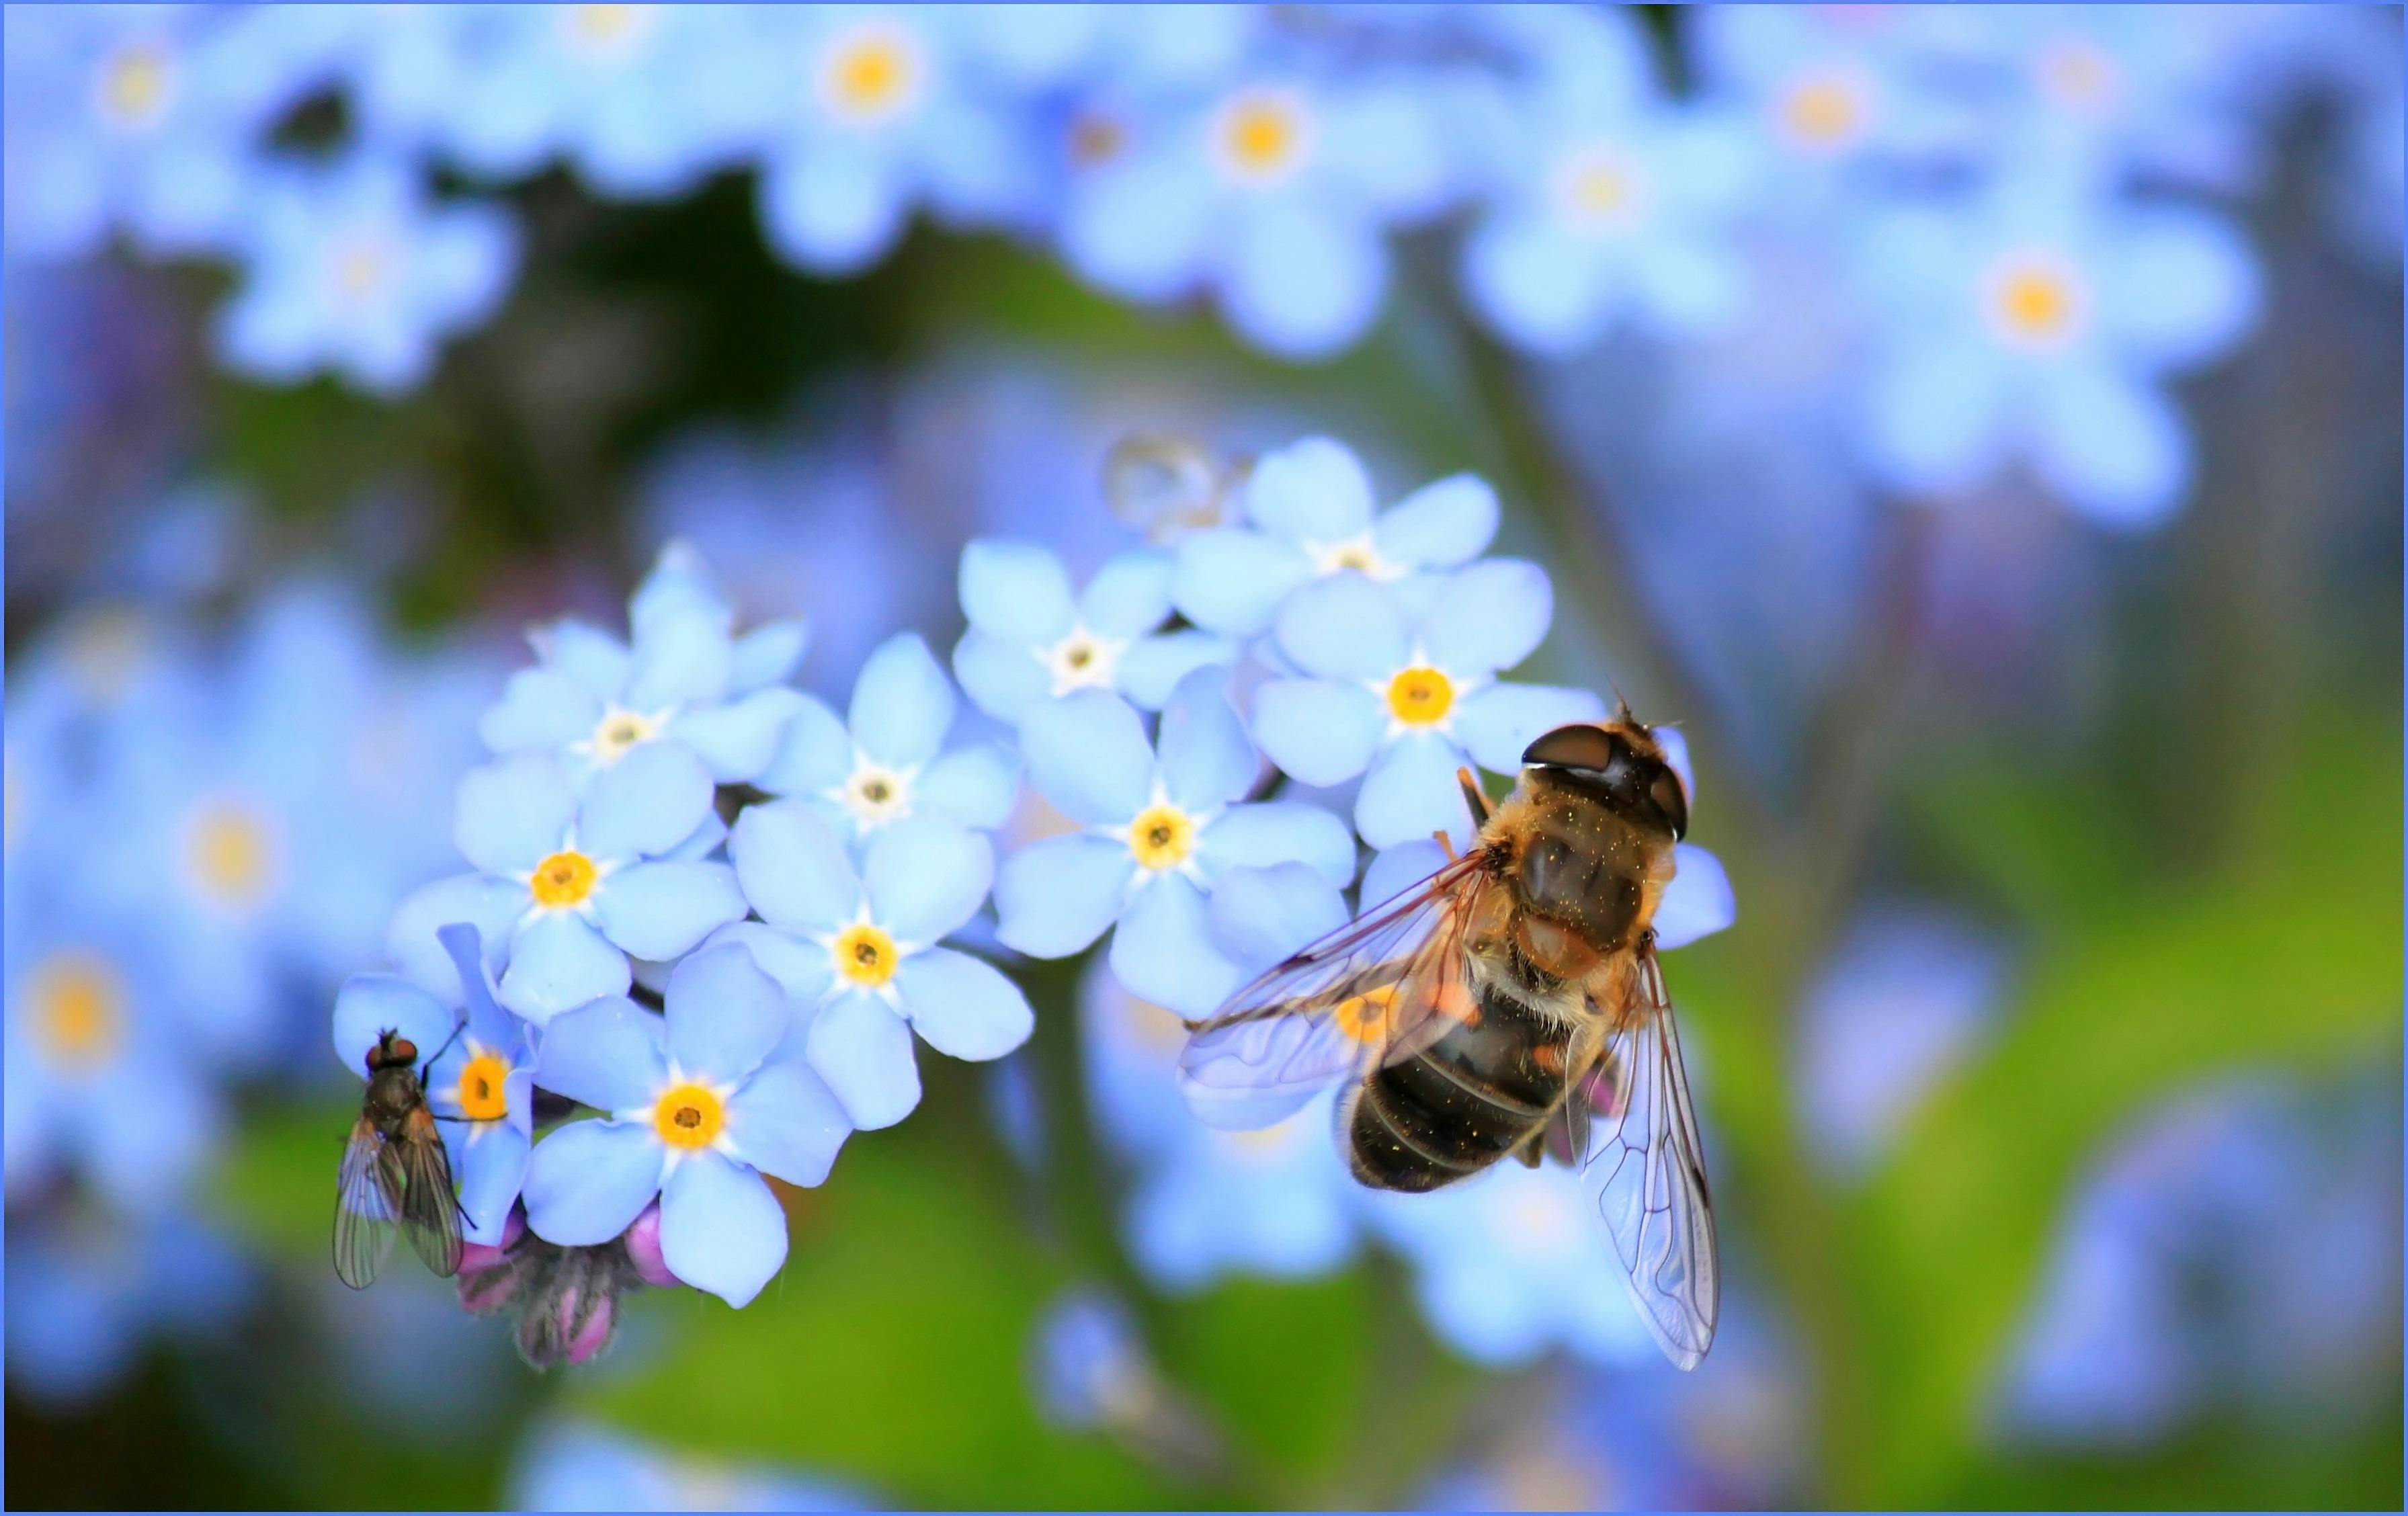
(1621, 712)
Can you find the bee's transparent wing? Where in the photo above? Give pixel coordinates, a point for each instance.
(430, 1212)
(1364, 992)
(370, 1192)
(1643, 1163)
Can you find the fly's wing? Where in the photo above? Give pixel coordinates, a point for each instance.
(1643, 1163)
(1367, 993)
(430, 1212)
(368, 1198)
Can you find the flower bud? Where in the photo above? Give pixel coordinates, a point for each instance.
(643, 1243)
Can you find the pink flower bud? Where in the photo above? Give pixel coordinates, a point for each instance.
(586, 1338)
(643, 1242)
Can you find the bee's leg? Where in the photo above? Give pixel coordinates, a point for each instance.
(1532, 1150)
(1445, 845)
(1473, 797)
(457, 1027)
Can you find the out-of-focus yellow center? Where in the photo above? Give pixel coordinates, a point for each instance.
(230, 853)
(605, 29)
(1162, 836)
(872, 74)
(563, 879)
(360, 268)
(689, 1116)
(1421, 696)
(866, 955)
(1097, 138)
(135, 86)
(2035, 302)
(1598, 188)
(619, 730)
(78, 1005)
(1365, 1017)
(2077, 72)
(480, 1088)
(1262, 135)
(1822, 112)
(1538, 1221)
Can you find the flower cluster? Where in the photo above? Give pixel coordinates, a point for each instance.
(1267, 158)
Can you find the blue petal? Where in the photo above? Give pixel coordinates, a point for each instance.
(2177, 287)
(492, 1172)
(1303, 280)
(1002, 678)
(486, 1020)
(1087, 754)
(801, 968)
(902, 703)
(1129, 596)
(1258, 916)
(721, 1228)
(608, 1055)
(738, 740)
(926, 875)
(1055, 896)
(371, 1004)
(1164, 952)
(647, 802)
(1497, 724)
(702, 842)
(834, 208)
(767, 655)
(678, 585)
(1317, 732)
(2116, 448)
(658, 911)
(1344, 627)
(683, 659)
(1016, 593)
(1205, 759)
(1698, 903)
(1440, 524)
(1676, 752)
(963, 1006)
(492, 906)
(976, 785)
(1489, 616)
(725, 1014)
(1312, 490)
(1411, 791)
(541, 710)
(512, 814)
(1150, 667)
(1400, 868)
(1938, 417)
(816, 756)
(793, 867)
(586, 653)
(1278, 832)
(1232, 580)
(864, 1051)
(588, 1181)
(559, 962)
(787, 1122)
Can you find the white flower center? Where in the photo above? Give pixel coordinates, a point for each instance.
(618, 731)
(135, 86)
(1538, 1223)
(874, 793)
(2078, 73)
(1084, 661)
(607, 33)
(1601, 189)
(1360, 554)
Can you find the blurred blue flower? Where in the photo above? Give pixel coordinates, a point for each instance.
(857, 949)
(1029, 640)
(87, 1287)
(574, 1465)
(698, 1104)
(567, 888)
(888, 760)
(479, 1074)
(2039, 326)
(683, 677)
(1608, 203)
(1405, 698)
(1160, 833)
(1313, 515)
(349, 269)
(1088, 1365)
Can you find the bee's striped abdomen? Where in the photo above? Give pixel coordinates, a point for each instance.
(1459, 1104)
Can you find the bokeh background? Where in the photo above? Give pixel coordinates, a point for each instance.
(1980, 430)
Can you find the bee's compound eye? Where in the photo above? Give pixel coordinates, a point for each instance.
(1571, 747)
(401, 1049)
(1672, 798)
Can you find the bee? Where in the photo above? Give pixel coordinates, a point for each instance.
(395, 1172)
(1167, 486)
(1510, 1004)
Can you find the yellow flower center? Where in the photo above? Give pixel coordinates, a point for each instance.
(1262, 135)
(1162, 837)
(230, 853)
(135, 86)
(871, 75)
(2077, 72)
(480, 1088)
(689, 1116)
(78, 1008)
(1083, 660)
(360, 268)
(2035, 302)
(875, 794)
(1365, 1017)
(1600, 189)
(1421, 696)
(866, 955)
(563, 879)
(1823, 112)
(619, 730)
(607, 30)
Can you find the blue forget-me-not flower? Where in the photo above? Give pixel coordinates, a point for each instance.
(1031, 639)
